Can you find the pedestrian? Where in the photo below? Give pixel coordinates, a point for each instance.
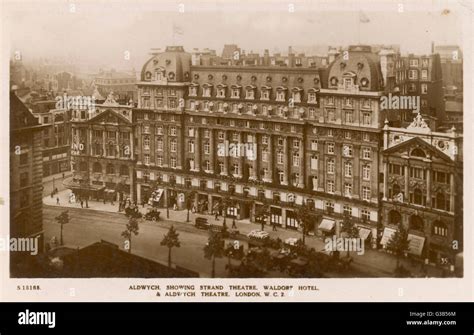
(234, 226)
(82, 203)
(57, 200)
(63, 175)
(216, 216)
(274, 226)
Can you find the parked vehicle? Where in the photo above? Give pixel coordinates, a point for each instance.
(258, 234)
(201, 223)
(152, 215)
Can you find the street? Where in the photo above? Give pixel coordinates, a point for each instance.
(89, 226)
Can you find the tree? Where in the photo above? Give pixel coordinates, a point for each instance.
(214, 249)
(130, 229)
(350, 230)
(189, 202)
(170, 240)
(306, 220)
(62, 219)
(399, 243)
(261, 214)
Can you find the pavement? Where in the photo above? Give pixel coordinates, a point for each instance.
(373, 263)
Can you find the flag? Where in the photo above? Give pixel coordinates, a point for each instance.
(177, 30)
(363, 18)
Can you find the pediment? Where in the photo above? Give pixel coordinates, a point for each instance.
(110, 117)
(415, 148)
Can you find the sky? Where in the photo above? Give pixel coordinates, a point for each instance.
(103, 34)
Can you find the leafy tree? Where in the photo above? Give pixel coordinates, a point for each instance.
(62, 219)
(306, 220)
(350, 230)
(170, 240)
(189, 202)
(130, 229)
(399, 243)
(261, 214)
(214, 249)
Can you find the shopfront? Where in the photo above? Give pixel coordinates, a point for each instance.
(291, 220)
(275, 216)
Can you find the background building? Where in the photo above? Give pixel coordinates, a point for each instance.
(25, 173)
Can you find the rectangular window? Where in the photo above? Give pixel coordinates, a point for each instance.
(331, 186)
(366, 153)
(366, 193)
(347, 210)
(330, 166)
(348, 169)
(347, 189)
(365, 214)
(314, 162)
(366, 172)
(330, 148)
(314, 145)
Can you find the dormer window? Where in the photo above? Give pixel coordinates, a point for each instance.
(220, 93)
(250, 92)
(312, 96)
(265, 93)
(281, 94)
(207, 90)
(159, 74)
(235, 92)
(193, 89)
(296, 95)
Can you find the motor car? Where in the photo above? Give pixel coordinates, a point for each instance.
(152, 215)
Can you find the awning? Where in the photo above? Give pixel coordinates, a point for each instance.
(387, 235)
(156, 195)
(364, 233)
(415, 244)
(70, 183)
(327, 224)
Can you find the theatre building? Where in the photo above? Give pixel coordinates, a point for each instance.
(422, 189)
(102, 152)
(284, 136)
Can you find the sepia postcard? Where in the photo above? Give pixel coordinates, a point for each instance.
(236, 151)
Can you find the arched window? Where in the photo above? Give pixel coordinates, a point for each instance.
(110, 169)
(440, 201)
(416, 223)
(124, 170)
(417, 197)
(394, 217)
(417, 152)
(97, 167)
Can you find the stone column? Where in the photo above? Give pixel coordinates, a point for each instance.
(428, 187)
(452, 194)
(131, 148)
(197, 149)
(212, 158)
(286, 161)
(139, 193)
(407, 180)
(302, 171)
(271, 158)
(385, 180)
(104, 152)
(226, 153)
